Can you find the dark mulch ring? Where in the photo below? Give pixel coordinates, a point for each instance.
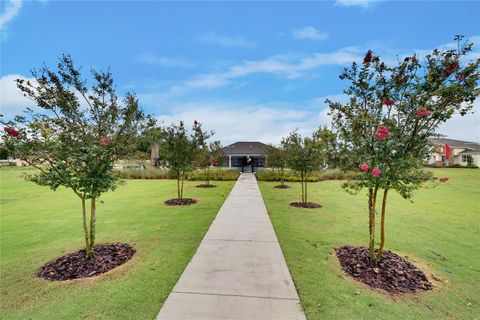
(75, 265)
(393, 274)
(309, 205)
(180, 202)
(206, 186)
(282, 186)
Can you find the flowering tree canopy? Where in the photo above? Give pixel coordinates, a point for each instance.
(383, 129)
(75, 134)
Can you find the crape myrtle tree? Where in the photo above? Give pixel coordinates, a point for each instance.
(203, 152)
(75, 134)
(178, 152)
(383, 130)
(277, 158)
(303, 157)
(179, 149)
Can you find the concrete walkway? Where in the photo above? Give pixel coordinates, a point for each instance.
(238, 271)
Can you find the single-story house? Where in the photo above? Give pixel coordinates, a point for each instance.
(245, 156)
(454, 152)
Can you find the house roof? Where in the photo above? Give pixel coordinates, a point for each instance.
(469, 146)
(245, 148)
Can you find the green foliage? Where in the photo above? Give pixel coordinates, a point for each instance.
(289, 175)
(152, 172)
(77, 133)
(183, 151)
(392, 112)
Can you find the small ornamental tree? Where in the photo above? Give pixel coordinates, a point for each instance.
(383, 130)
(76, 135)
(303, 157)
(202, 153)
(277, 158)
(178, 151)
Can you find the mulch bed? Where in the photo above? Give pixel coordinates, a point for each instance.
(75, 265)
(309, 205)
(282, 186)
(393, 273)
(206, 186)
(180, 202)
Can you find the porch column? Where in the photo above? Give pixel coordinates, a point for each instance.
(229, 161)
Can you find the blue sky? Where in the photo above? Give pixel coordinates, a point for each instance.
(248, 70)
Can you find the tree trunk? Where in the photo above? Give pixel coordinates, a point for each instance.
(303, 192)
(372, 199)
(382, 226)
(93, 209)
(282, 177)
(178, 185)
(154, 154)
(181, 186)
(306, 192)
(85, 227)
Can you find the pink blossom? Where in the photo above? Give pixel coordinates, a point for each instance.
(364, 167)
(450, 68)
(11, 132)
(105, 141)
(376, 172)
(423, 112)
(388, 102)
(382, 133)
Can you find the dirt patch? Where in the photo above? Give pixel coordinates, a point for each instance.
(75, 265)
(206, 186)
(282, 186)
(393, 274)
(309, 205)
(181, 202)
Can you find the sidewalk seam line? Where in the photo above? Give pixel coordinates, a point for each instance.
(234, 295)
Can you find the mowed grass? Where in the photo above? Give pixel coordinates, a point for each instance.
(38, 225)
(439, 232)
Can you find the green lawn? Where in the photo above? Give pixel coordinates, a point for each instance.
(441, 221)
(38, 225)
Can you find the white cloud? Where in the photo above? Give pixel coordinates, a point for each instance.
(239, 121)
(152, 58)
(310, 33)
(356, 3)
(11, 9)
(12, 102)
(288, 66)
(225, 41)
(465, 127)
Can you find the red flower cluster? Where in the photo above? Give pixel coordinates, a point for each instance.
(11, 132)
(388, 102)
(382, 133)
(443, 179)
(450, 68)
(423, 112)
(368, 57)
(213, 161)
(105, 141)
(376, 172)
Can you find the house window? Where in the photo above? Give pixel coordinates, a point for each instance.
(464, 158)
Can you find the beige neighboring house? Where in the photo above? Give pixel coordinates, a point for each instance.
(459, 152)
